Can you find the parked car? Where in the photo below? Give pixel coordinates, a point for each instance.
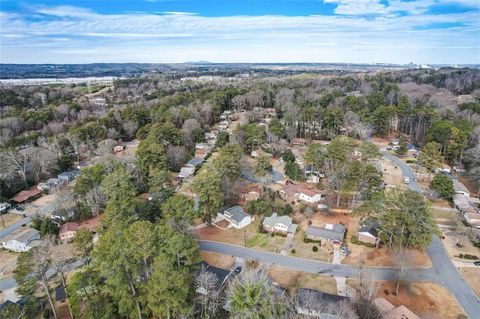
(237, 270)
(476, 263)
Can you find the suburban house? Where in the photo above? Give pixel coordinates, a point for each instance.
(69, 175)
(299, 192)
(315, 303)
(26, 195)
(460, 188)
(389, 311)
(68, 231)
(185, 172)
(221, 274)
(50, 185)
(279, 224)
(21, 240)
(194, 162)
(299, 141)
(118, 148)
(237, 217)
(368, 232)
(333, 233)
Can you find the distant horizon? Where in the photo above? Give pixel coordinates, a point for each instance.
(264, 62)
(433, 32)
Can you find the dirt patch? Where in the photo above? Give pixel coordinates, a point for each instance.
(292, 280)
(472, 276)
(423, 299)
(9, 219)
(218, 260)
(450, 243)
(363, 255)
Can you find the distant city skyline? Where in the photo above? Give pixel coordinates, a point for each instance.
(250, 31)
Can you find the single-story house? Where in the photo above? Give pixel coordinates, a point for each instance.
(68, 231)
(389, 311)
(221, 274)
(237, 217)
(118, 148)
(194, 162)
(368, 232)
(50, 184)
(21, 240)
(69, 175)
(295, 191)
(185, 172)
(333, 233)
(299, 141)
(316, 304)
(4, 207)
(279, 224)
(26, 195)
(460, 188)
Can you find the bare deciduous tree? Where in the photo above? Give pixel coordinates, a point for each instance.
(96, 199)
(210, 297)
(105, 147)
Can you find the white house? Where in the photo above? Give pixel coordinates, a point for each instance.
(302, 193)
(237, 217)
(21, 240)
(279, 224)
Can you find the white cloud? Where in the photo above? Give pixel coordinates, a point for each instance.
(76, 35)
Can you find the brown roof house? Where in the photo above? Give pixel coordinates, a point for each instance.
(299, 192)
(68, 231)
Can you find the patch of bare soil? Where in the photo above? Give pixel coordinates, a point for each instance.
(424, 299)
(218, 260)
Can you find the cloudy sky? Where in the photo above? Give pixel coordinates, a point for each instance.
(393, 31)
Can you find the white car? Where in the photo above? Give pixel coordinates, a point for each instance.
(406, 180)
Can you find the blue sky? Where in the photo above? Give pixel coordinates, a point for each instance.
(86, 31)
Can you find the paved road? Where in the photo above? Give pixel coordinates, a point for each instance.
(444, 270)
(312, 266)
(10, 229)
(406, 171)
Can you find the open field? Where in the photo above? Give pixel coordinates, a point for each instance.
(292, 280)
(7, 263)
(218, 260)
(472, 276)
(363, 255)
(392, 175)
(9, 219)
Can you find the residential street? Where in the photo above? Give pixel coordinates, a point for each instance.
(443, 271)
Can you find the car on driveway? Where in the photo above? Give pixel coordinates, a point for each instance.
(477, 263)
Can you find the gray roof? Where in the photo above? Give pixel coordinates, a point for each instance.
(337, 233)
(186, 172)
(236, 213)
(73, 172)
(195, 161)
(275, 219)
(313, 303)
(369, 226)
(27, 236)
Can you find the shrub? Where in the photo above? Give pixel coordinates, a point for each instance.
(315, 249)
(293, 251)
(386, 292)
(468, 256)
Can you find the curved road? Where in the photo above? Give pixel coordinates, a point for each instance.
(442, 270)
